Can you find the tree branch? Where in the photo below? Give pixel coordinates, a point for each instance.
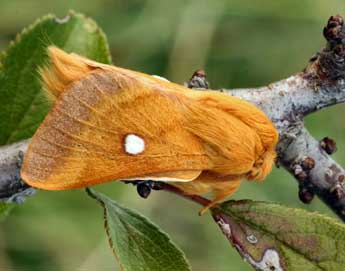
(12, 187)
(286, 102)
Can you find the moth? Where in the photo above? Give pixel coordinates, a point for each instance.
(108, 123)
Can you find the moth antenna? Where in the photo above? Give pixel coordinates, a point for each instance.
(62, 70)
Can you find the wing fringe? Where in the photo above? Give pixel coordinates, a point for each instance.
(62, 70)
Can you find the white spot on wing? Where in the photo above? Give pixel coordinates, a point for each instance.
(134, 144)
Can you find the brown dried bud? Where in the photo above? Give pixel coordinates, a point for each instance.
(339, 50)
(198, 80)
(335, 21)
(199, 73)
(328, 145)
(305, 195)
(337, 191)
(341, 178)
(308, 163)
(302, 176)
(296, 167)
(333, 31)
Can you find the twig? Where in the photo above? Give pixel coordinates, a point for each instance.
(286, 102)
(195, 198)
(12, 188)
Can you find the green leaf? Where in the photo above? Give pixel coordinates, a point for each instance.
(137, 243)
(4, 209)
(23, 106)
(275, 237)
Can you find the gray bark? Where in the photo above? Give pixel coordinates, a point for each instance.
(12, 187)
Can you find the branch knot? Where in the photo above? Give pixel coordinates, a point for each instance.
(332, 58)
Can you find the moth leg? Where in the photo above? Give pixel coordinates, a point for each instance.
(221, 191)
(144, 187)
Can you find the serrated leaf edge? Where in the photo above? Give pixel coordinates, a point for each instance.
(219, 209)
(91, 193)
(51, 16)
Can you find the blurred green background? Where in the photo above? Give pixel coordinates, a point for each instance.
(240, 44)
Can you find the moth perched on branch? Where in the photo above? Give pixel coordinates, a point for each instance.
(285, 102)
(109, 123)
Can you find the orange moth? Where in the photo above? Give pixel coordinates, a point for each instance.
(109, 123)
